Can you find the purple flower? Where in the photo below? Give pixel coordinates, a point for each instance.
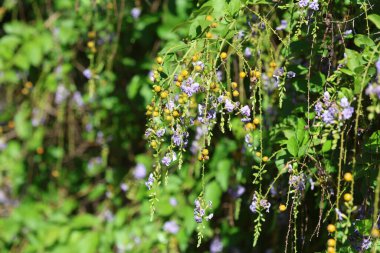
(189, 87)
(318, 109)
(150, 181)
(303, 3)
(219, 75)
(166, 160)
(216, 245)
(373, 90)
(140, 171)
(347, 112)
(248, 139)
(229, 106)
(291, 74)
(87, 73)
(265, 204)
(282, 26)
(173, 201)
(124, 187)
(237, 191)
(344, 102)
(61, 94)
(297, 182)
(245, 111)
(77, 98)
(209, 217)
(327, 117)
(160, 132)
(247, 52)
(339, 213)
(254, 204)
(136, 12)
(171, 227)
(314, 5)
(378, 67)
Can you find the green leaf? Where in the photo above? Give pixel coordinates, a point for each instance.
(375, 18)
(213, 192)
(292, 146)
(222, 173)
(133, 87)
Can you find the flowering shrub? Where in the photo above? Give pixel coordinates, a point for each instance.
(188, 126)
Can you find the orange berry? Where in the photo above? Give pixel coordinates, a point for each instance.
(348, 177)
(331, 242)
(282, 208)
(40, 150)
(331, 228)
(347, 197)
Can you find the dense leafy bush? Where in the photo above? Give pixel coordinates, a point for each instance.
(190, 126)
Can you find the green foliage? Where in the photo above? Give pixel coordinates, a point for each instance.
(105, 149)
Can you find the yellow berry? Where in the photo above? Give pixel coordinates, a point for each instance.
(331, 242)
(180, 78)
(282, 208)
(256, 121)
(169, 118)
(198, 68)
(209, 18)
(148, 113)
(375, 233)
(160, 69)
(331, 228)
(347, 197)
(272, 64)
(153, 144)
(178, 84)
(25, 91)
(234, 85)
(258, 154)
(167, 111)
(91, 34)
(28, 85)
(235, 93)
(242, 74)
(250, 126)
(184, 73)
(91, 44)
(265, 159)
(157, 88)
(159, 60)
(195, 58)
(331, 250)
(208, 35)
(175, 114)
(164, 94)
(348, 177)
(223, 55)
(205, 152)
(155, 114)
(180, 101)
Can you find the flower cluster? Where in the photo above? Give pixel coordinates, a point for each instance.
(171, 227)
(313, 5)
(150, 181)
(332, 112)
(257, 204)
(200, 211)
